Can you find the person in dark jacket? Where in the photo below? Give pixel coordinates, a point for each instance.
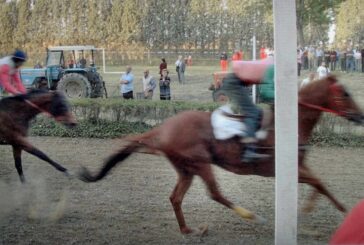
(164, 86)
(162, 66)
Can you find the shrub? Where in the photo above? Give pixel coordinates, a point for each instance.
(100, 118)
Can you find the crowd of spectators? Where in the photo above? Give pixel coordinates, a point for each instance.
(345, 60)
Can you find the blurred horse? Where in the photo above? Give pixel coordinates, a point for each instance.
(15, 114)
(187, 140)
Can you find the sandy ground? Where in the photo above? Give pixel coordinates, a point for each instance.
(131, 205)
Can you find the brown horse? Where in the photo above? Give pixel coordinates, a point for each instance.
(16, 113)
(187, 141)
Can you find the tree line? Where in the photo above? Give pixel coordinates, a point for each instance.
(122, 25)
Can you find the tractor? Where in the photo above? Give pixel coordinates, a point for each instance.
(61, 72)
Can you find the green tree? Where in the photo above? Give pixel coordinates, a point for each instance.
(21, 35)
(314, 17)
(350, 22)
(8, 15)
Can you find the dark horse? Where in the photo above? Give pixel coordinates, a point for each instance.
(187, 141)
(15, 114)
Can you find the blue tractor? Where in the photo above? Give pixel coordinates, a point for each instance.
(62, 72)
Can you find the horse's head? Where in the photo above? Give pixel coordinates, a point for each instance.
(60, 110)
(342, 103)
(53, 103)
(329, 95)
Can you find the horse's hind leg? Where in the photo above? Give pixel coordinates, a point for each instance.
(183, 184)
(306, 176)
(205, 172)
(17, 159)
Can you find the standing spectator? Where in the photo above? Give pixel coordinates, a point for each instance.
(164, 86)
(311, 58)
(322, 71)
(357, 57)
(350, 64)
(362, 60)
(224, 61)
(299, 62)
(319, 56)
(182, 70)
(305, 58)
(126, 84)
(162, 66)
(262, 53)
(333, 56)
(178, 65)
(149, 85)
(327, 56)
(343, 60)
(238, 55)
(189, 60)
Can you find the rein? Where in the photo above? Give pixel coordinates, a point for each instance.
(335, 91)
(319, 108)
(37, 107)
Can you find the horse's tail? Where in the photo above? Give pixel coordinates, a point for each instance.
(119, 156)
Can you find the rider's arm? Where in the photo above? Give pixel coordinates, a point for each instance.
(18, 83)
(5, 80)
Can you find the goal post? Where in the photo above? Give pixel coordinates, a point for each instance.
(286, 121)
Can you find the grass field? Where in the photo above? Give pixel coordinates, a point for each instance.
(198, 79)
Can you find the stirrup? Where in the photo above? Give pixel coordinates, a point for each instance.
(250, 155)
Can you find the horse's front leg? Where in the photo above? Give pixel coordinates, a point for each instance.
(205, 172)
(17, 158)
(26, 146)
(306, 176)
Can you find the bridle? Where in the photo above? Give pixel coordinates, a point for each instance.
(333, 101)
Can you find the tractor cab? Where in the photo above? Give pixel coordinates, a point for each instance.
(70, 69)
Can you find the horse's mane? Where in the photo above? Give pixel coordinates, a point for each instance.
(313, 86)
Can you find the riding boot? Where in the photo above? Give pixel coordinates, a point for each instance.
(250, 153)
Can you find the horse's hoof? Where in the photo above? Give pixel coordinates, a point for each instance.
(186, 230)
(202, 229)
(259, 219)
(22, 179)
(68, 174)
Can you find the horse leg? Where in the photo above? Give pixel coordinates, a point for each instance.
(183, 184)
(17, 159)
(208, 177)
(26, 146)
(306, 176)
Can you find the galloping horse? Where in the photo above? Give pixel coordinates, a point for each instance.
(15, 115)
(187, 140)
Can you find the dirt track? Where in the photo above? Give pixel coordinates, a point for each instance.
(131, 206)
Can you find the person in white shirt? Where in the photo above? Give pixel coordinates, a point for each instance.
(322, 71)
(149, 85)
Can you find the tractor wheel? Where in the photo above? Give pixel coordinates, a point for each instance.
(74, 85)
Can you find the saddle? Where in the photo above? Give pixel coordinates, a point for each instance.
(227, 125)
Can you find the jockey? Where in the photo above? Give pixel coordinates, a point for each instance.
(9, 73)
(241, 103)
